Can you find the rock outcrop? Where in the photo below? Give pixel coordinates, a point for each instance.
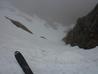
(19, 25)
(85, 32)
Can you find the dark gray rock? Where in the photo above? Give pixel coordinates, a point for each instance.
(19, 25)
(85, 32)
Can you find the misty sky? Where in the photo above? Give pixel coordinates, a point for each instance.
(63, 11)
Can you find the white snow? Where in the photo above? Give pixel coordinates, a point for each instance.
(44, 56)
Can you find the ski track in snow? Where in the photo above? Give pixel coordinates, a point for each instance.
(44, 56)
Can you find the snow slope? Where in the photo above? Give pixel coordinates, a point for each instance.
(46, 55)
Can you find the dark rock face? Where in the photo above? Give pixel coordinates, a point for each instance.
(85, 32)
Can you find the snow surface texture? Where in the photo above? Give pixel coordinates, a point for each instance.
(44, 50)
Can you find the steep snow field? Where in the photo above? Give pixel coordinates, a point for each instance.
(44, 50)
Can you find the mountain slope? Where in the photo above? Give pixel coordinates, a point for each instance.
(44, 50)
